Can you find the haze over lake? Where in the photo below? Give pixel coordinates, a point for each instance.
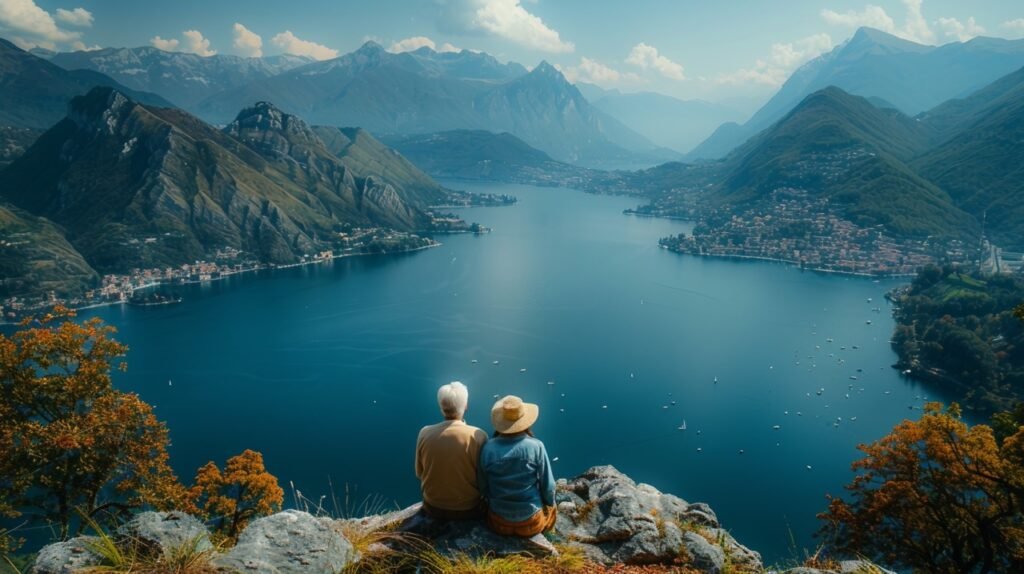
(330, 371)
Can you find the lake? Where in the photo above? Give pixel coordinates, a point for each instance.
(330, 371)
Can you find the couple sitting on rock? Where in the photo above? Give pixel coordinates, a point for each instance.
(506, 479)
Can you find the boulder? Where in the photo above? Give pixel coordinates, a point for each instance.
(289, 542)
(161, 532)
(615, 520)
(66, 557)
(471, 537)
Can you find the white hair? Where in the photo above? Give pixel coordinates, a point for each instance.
(453, 398)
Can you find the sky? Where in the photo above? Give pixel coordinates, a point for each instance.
(726, 50)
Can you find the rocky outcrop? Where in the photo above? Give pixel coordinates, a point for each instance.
(602, 514)
(66, 557)
(157, 531)
(289, 541)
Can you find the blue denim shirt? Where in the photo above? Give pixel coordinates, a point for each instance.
(515, 477)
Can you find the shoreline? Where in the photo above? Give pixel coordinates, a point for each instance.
(793, 264)
(263, 267)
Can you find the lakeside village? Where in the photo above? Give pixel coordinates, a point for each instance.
(797, 228)
(139, 286)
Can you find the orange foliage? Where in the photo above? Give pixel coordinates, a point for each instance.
(243, 491)
(936, 496)
(68, 440)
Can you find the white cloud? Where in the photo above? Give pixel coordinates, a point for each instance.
(960, 31)
(292, 44)
(644, 56)
(197, 44)
(81, 47)
(247, 43)
(506, 19)
(595, 72)
(416, 42)
(167, 45)
(194, 43)
(1015, 28)
(915, 27)
(785, 57)
(872, 16)
(32, 26)
(76, 17)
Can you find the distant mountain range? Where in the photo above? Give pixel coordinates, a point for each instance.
(139, 186)
(184, 79)
(424, 91)
(34, 93)
(670, 122)
(910, 77)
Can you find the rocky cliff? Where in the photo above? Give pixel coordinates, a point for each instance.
(604, 517)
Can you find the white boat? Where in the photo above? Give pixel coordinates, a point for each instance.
(683, 426)
(716, 380)
(495, 362)
(522, 370)
(777, 427)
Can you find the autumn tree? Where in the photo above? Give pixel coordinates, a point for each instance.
(69, 441)
(242, 491)
(935, 496)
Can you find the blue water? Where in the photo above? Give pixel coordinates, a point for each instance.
(330, 371)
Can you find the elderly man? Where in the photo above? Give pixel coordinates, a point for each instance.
(447, 455)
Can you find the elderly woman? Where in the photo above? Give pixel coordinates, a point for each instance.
(515, 475)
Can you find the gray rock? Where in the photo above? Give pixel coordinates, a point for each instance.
(472, 537)
(702, 554)
(614, 519)
(289, 542)
(162, 532)
(66, 557)
(861, 567)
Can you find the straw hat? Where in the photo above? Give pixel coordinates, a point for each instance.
(511, 415)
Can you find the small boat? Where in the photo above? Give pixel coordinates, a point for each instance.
(868, 322)
(169, 383)
(853, 378)
(699, 449)
(808, 467)
(522, 370)
(673, 403)
(777, 427)
(495, 362)
(683, 426)
(604, 406)
(554, 459)
(551, 382)
(716, 380)
(474, 361)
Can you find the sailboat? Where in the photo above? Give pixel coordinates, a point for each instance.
(683, 426)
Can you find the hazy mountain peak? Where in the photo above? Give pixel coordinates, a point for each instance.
(371, 47)
(873, 40)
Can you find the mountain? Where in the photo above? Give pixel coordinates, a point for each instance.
(423, 92)
(841, 146)
(666, 121)
(912, 77)
(34, 93)
(141, 186)
(36, 259)
(980, 163)
(362, 153)
(483, 155)
(185, 79)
